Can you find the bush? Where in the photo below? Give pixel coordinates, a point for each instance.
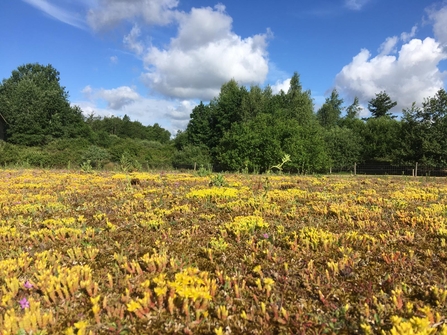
(66, 152)
(97, 156)
(9, 153)
(191, 155)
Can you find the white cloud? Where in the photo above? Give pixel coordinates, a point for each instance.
(114, 59)
(356, 4)
(281, 85)
(389, 46)
(172, 115)
(205, 54)
(131, 41)
(116, 98)
(439, 20)
(111, 12)
(58, 13)
(87, 91)
(179, 114)
(405, 37)
(409, 77)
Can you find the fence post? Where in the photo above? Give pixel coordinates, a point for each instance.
(330, 170)
(355, 169)
(416, 170)
(195, 165)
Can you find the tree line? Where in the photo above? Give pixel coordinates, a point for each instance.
(242, 129)
(251, 129)
(39, 127)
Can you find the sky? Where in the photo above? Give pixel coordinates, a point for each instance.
(154, 60)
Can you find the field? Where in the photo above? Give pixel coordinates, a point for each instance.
(166, 253)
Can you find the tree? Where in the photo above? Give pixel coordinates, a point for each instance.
(381, 139)
(343, 146)
(251, 145)
(253, 103)
(36, 107)
(353, 110)
(424, 131)
(380, 105)
(198, 128)
(299, 103)
(329, 114)
(225, 111)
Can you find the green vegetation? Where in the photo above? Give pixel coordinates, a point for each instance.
(243, 129)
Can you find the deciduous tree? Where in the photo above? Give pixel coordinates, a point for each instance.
(36, 107)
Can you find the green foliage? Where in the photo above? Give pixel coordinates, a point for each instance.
(307, 149)
(218, 180)
(97, 156)
(181, 139)
(353, 110)
(203, 171)
(86, 166)
(344, 147)
(63, 150)
(329, 114)
(191, 156)
(380, 105)
(129, 163)
(242, 129)
(423, 131)
(198, 130)
(298, 103)
(252, 145)
(9, 153)
(381, 139)
(36, 107)
(125, 128)
(279, 166)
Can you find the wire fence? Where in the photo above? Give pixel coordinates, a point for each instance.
(392, 170)
(355, 169)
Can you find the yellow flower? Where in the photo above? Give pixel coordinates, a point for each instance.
(95, 300)
(81, 325)
(219, 331)
(133, 306)
(160, 290)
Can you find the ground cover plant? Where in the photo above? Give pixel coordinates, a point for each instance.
(166, 253)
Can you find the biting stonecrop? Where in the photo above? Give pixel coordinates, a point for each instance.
(98, 253)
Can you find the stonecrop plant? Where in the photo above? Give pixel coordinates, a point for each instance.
(92, 252)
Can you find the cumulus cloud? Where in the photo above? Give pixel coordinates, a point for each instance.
(173, 115)
(281, 86)
(205, 54)
(58, 13)
(439, 20)
(118, 97)
(108, 13)
(179, 114)
(115, 98)
(356, 4)
(407, 68)
(408, 77)
(405, 37)
(389, 46)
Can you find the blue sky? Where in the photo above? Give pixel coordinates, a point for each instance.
(154, 60)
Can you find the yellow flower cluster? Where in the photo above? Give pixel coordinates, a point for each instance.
(214, 193)
(246, 224)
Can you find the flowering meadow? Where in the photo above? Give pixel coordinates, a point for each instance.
(165, 253)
